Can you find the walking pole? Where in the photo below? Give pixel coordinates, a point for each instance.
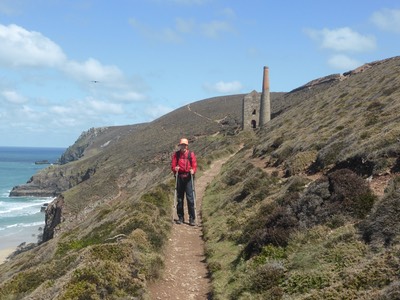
(194, 197)
(175, 197)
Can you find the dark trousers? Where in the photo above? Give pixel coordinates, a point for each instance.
(185, 187)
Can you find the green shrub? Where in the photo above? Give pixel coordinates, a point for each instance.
(270, 253)
(303, 282)
(97, 236)
(383, 225)
(274, 229)
(267, 276)
(103, 280)
(391, 292)
(214, 266)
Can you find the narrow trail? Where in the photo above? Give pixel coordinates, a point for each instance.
(185, 275)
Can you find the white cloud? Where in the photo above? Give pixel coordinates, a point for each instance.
(224, 87)
(387, 19)
(23, 48)
(30, 115)
(185, 26)
(129, 96)
(65, 122)
(168, 35)
(342, 39)
(97, 106)
(343, 62)
(215, 28)
(157, 111)
(13, 97)
(60, 110)
(176, 33)
(93, 70)
(229, 12)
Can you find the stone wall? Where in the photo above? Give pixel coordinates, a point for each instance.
(251, 110)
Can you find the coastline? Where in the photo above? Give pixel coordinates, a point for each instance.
(15, 237)
(4, 253)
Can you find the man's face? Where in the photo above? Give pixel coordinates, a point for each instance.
(182, 147)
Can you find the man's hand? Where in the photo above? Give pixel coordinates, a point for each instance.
(176, 168)
(191, 171)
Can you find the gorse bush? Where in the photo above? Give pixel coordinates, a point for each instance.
(272, 226)
(391, 292)
(352, 192)
(339, 196)
(332, 200)
(383, 225)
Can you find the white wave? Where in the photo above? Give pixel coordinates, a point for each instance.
(25, 224)
(22, 225)
(20, 209)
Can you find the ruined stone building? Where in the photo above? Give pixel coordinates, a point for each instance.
(256, 110)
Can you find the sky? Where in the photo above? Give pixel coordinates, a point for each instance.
(70, 65)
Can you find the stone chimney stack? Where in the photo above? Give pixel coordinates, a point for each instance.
(265, 103)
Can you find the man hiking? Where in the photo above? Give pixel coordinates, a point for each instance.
(184, 166)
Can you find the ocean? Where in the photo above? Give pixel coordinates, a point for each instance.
(21, 220)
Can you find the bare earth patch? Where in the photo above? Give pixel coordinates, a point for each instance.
(185, 275)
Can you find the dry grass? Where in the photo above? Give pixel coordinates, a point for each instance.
(329, 239)
(267, 237)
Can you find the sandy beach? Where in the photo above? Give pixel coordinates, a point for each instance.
(13, 237)
(4, 253)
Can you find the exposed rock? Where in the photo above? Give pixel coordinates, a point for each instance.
(33, 190)
(96, 139)
(323, 80)
(339, 77)
(53, 218)
(51, 183)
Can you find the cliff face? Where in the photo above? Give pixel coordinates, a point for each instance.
(52, 181)
(96, 140)
(53, 218)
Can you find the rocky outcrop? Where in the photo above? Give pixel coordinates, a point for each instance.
(43, 184)
(51, 183)
(53, 218)
(333, 78)
(33, 190)
(96, 140)
(320, 81)
(77, 150)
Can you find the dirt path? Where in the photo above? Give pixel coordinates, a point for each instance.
(186, 276)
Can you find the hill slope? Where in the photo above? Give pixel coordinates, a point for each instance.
(323, 230)
(266, 235)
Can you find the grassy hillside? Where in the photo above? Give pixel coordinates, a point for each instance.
(295, 213)
(115, 208)
(320, 231)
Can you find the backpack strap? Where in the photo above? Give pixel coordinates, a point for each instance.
(178, 154)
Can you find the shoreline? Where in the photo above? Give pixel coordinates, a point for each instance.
(14, 238)
(4, 253)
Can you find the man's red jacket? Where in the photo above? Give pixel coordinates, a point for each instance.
(184, 163)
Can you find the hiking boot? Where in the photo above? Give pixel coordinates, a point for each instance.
(179, 221)
(192, 222)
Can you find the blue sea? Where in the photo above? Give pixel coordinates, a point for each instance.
(20, 217)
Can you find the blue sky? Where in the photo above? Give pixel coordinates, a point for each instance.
(69, 65)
